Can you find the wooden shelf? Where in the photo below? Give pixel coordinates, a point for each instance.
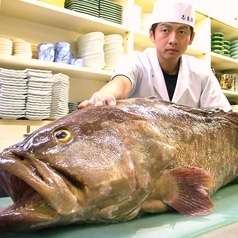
(24, 122)
(195, 52)
(230, 32)
(13, 62)
(46, 19)
(50, 15)
(142, 40)
(146, 5)
(224, 64)
(230, 93)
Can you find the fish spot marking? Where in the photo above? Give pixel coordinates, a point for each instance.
(105, 190)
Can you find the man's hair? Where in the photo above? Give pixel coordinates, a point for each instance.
(153, 27)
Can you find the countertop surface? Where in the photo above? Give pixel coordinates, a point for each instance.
(222, 222)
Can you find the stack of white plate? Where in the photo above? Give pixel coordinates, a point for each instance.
(13, 91)
(146, 21)
(22, 49)
(60, 96)
(40, 83)
(90, 49)
(113, 50)
(5, 46)
(135, 21)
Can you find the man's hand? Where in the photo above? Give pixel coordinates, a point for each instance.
(98, 100)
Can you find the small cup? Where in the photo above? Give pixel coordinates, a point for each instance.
(46, 52)
(62, 52)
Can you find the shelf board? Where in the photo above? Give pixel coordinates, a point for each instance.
(195, 52)
(230, 32)
(230, 93)
(146, 5)
(224, 64)
(142, 39)
(13, 62)
(50, 15)
(6, 122)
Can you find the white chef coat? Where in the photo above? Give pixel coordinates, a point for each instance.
(196, 85)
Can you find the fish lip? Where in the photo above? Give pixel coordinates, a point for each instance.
(28, 207)
(20, 192)
(15, 187)
(37, 175)
(9, 180)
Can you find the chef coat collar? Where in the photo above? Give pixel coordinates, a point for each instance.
(159, 82)
(182, 81)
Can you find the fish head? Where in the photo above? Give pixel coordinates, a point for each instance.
(93, 165)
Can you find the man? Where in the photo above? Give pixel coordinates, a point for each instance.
(164, 71)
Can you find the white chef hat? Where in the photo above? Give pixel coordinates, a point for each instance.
(178, 11)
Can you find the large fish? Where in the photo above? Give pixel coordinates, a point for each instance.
(111, 164)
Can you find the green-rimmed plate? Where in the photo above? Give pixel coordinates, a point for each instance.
(217, 42)
(218, 34)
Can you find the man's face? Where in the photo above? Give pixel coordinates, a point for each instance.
(171, 40)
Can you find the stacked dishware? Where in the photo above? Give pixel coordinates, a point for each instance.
(34, 51)
(59, 3)
(90, 7)
(46, 52)
(60, 96)
(235, 80)
(62, 52)
(40, 83)
(110, 11)
(58, 52)
(217, 39)
(135, 21)
(13, 92)
(234, 49)
(146, 19)
(5, 46)
(226, 81)
(90, 49)
(73, 106)
(22, 49)
(113, 50)
(33, 94)
(226, 48)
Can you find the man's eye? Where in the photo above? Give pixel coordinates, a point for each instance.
(183, 32)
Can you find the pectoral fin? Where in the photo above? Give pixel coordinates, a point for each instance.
(183, 189)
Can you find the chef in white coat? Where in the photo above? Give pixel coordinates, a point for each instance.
(164, 71)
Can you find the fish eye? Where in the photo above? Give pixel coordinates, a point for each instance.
(63, 135)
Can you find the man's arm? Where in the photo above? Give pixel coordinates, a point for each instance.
(118, 88)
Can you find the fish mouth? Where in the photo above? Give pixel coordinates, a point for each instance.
(39, 192)
(28, 208)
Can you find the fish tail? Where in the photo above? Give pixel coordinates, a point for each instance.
(187, 190)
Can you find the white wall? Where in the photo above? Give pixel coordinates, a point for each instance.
(10, 135)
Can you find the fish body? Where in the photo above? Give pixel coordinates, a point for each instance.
(111, 164)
